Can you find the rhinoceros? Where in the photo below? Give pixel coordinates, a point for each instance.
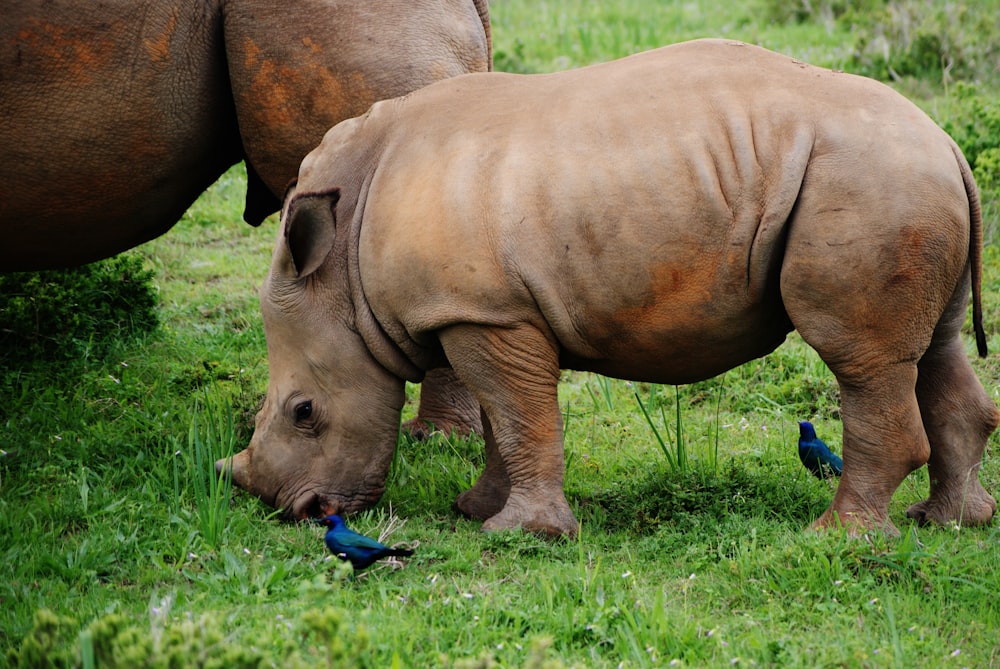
(663, 218)
(115, 117)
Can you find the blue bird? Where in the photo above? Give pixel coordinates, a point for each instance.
(815, 455)
(359, 550)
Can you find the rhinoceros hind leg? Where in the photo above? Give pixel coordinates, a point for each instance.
(884, 441)
(446, 406)
(872, 316)
(489, 493)
(514, 373)
(958, 417)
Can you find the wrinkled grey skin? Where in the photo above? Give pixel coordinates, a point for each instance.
(115, 117)
(684, 210)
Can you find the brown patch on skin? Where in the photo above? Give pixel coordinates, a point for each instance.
(313, 47)
(65, 50)
(673, 293)
(159, 47)
(250, 54)
(276, 89)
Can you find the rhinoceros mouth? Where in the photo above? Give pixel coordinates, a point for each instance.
(309, 504)
(313, 504)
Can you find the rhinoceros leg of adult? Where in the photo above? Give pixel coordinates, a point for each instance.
(871, 307)
(487, 497)
(514, 373)
(884, 441)
(445, 405)
(958, 417)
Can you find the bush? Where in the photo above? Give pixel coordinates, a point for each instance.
(816, 11)
(930, 40)
(973, 121)
(893, 39)
(64, 314)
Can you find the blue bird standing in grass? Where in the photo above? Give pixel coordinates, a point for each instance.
(815, 455)
(359, 550)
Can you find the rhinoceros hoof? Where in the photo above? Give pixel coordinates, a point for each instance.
(855, 523)
(547, 520)
(480, 504)
(975, 509)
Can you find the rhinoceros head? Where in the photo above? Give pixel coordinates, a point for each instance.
(327, 430)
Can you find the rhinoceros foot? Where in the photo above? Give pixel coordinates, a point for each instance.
(548, 517)
(481, 503)
(855, 523)
(445, 406)
(975, 507)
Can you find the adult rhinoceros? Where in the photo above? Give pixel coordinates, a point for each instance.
(664, 218)
(114, 117)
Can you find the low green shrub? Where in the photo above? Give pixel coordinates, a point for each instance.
(930, 39)
(64, 314)
(973, 120)
(972, 117)
(938, 41)
(816, 11)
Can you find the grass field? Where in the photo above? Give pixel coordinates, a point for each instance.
(118, 550)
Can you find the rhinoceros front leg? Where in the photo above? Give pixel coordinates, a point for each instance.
(487, 497)
(958, 418)
(445, 405)
(514, 373)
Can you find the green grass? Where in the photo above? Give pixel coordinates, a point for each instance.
(107, 551)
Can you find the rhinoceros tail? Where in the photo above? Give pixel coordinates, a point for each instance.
(975, 249)
(483, 9)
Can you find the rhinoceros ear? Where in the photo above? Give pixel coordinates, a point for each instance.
(310, 229)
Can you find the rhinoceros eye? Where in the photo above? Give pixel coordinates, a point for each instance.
(303, 410)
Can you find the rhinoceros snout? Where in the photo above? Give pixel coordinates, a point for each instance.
(237, 466)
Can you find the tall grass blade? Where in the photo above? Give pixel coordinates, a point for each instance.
(211, 436)
(671, 462)
(681, 448)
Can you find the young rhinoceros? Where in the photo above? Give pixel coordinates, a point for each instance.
(663, 218)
